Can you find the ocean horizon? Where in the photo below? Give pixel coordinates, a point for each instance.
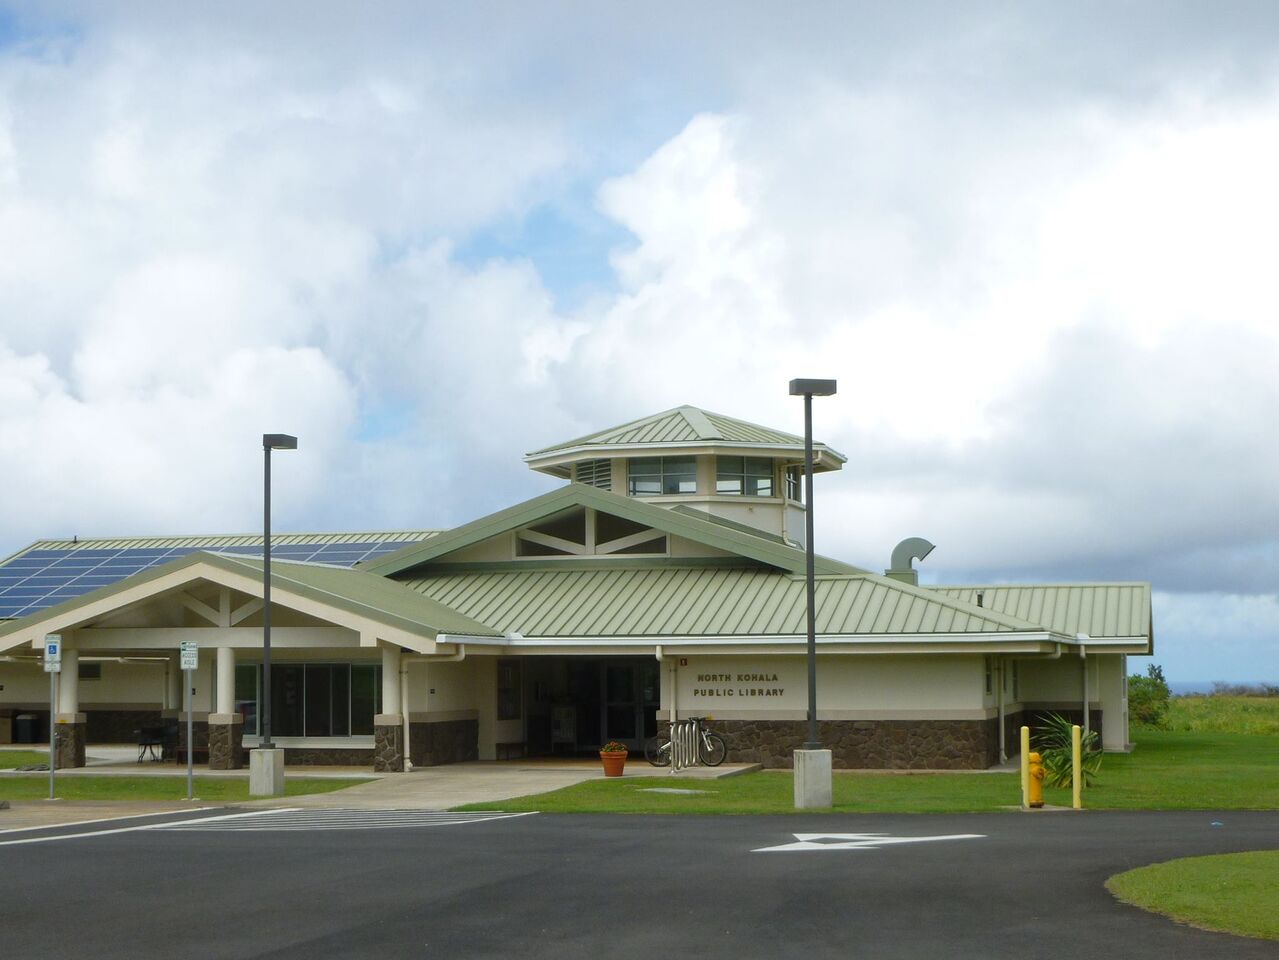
(1184, 687)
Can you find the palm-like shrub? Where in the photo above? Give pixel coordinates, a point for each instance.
(1052, 738)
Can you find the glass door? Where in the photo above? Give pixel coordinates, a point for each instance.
(631, 694)
(621, 705)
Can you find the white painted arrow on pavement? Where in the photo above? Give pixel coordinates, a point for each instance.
(856, 841)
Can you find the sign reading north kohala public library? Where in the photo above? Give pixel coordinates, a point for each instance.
(738, 685)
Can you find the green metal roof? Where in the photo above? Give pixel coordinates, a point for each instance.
(353, 591)
(229, 540)
(683, 425)
(1101, 610)
(365, 594)
(701, 601)
(731, 538)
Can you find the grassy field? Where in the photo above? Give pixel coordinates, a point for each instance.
(1234, 893)
(1224, 714)
(11, 759)
(226, 789)
(1167, 771)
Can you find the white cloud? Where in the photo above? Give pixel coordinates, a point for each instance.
(1035, 256)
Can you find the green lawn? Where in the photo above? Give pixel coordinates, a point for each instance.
(221, 789)
(1167, 771)
(11, 759)
(1234, 893)
(1224, 714)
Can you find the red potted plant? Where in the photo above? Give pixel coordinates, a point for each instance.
(613, 754)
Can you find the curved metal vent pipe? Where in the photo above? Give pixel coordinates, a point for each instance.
(912, 548)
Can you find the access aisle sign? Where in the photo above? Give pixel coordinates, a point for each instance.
(190, 655)
(53, 653)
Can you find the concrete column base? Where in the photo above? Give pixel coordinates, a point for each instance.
(812, 780)
(266, 772)
(70, 738)
(226, 741)
(388, 743)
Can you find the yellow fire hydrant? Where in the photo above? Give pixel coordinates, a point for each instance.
(1036, 785)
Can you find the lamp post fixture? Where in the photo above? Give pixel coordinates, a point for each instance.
(809, 389)
(270, 441)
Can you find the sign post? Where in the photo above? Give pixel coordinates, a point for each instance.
(190, 654)
(53, 667)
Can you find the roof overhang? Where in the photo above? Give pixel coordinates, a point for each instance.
(366, 623)
(1035, 644)
(559, 462)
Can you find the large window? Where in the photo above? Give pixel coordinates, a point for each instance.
(744, 476)
(655, 476)
(311, 699)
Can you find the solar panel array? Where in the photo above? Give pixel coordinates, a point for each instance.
(42, 578)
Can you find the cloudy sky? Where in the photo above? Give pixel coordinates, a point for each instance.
(1036, 245)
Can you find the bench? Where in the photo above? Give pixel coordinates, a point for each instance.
(151, 743)
(201, 754)
(512, 749)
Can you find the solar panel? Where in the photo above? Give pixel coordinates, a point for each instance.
(45, 577)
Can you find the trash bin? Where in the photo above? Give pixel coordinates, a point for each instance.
(26, 728)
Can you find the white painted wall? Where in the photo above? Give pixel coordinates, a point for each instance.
(443, 687)
(848, 687)
(1112, 693)
(1058, 681)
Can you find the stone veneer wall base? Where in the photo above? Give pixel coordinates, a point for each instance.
(226, 742)
(444, 741)
(69, 744)
(388, 747)
(867, 744)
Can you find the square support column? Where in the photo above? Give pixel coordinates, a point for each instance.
(69, 733)
(226, 741)
(388, 743)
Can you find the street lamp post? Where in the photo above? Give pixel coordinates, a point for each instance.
(816, 785)
(270, 441)
(266, 764)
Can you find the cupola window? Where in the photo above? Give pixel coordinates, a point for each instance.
(744, 476)
(657, 476)
(795, 484)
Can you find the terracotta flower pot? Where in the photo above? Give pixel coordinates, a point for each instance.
(614, 763)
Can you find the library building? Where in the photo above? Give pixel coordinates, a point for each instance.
(664, 579)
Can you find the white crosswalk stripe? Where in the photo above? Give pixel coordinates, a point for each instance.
(314, 820)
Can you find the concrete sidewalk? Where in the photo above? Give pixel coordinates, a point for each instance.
(425, 788)
(439, 788)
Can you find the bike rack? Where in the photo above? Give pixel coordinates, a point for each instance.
(686, 738)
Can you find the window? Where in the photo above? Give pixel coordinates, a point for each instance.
(988, 677)
(795, 484)
(247, 676)
(595, 473)
(311, 699)
(508, 689)
(90, 671)
(744, 476)
(1016, 683)
(657, 476)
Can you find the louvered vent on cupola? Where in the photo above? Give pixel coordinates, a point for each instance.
(595, 473)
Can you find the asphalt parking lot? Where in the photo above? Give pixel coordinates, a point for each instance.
(321, 884)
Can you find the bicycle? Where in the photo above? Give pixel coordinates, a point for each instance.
(711, 749)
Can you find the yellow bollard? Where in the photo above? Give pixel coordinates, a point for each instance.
(1077, 766)
(1036, 781)
(1025, 767)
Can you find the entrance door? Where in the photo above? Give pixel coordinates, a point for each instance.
(630, 701)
